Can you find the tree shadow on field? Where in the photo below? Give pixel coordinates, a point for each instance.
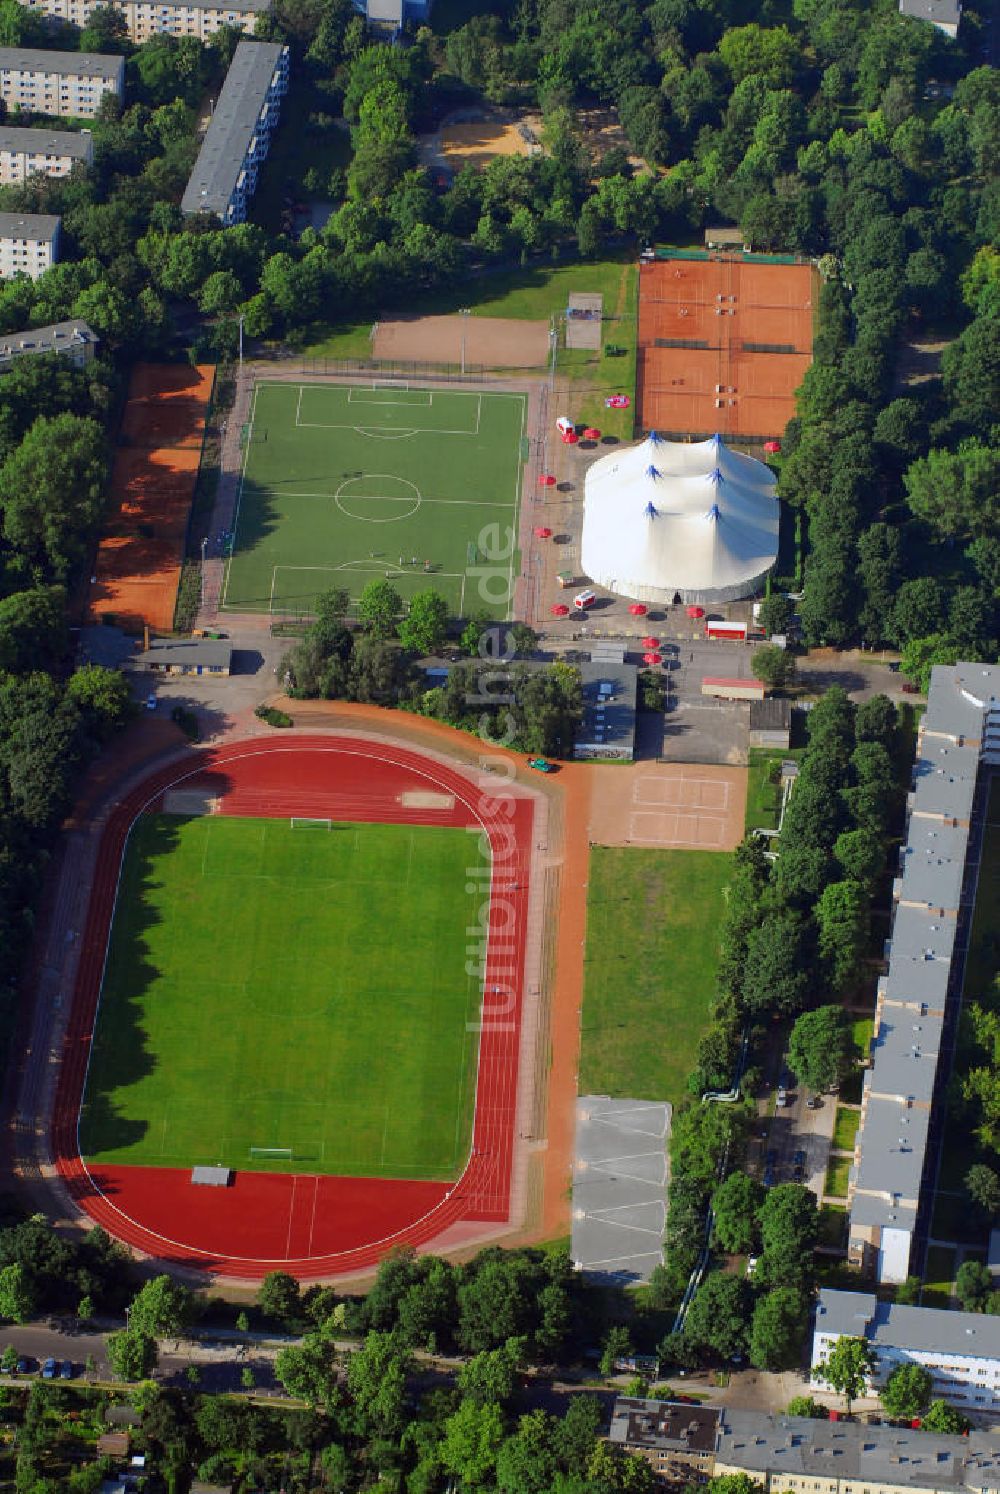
(120, 1055)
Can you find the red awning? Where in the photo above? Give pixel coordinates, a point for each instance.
(650, 642)
(652, 659)
(638, 609)
(559, 610)
(546, 480)
(772, 445)
(542, 532)
(570, 438)
(695, 611)
(592, 433)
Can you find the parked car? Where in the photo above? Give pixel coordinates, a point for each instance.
(751, 1265)
(25, 1365)
(67, 1370)
(151, 701)
(814, 1102)
(782, 1097)
(49, 1369)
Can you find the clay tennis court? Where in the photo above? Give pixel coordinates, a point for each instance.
(723, 345)
(490, 341)
(152, 485)
(675, 806)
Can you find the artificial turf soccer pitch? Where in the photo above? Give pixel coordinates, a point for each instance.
(342, 485)
(287, 998)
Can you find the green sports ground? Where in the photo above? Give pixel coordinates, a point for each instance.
(256, 1014)
(344, 484)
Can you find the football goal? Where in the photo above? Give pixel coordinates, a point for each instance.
(271, 1154)
(300, 823)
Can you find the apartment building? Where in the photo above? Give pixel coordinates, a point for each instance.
(800, 1455)
(73, 340)
(29, 244)
(25, 153)
(144, 19)
(958, 748)
(224, 178)
(946, 15)
(70, 84)
(960, 1349)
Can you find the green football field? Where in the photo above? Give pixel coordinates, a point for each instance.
(288, 999)
(345, 484)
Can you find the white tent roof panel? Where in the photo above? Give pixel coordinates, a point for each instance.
(666, 517)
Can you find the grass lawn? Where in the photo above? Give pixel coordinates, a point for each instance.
(344, 485)
(833, 1226)
(763, 786)
(652, 948)
(938, 1277)
(861, 1035)
(253, 999)
(538, 293)
(845, 1129)
(837, 1176)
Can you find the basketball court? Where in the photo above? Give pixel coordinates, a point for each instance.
(723, 345)
(670, 806)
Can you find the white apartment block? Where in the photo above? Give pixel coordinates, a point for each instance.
(144, 19)
(224, 178)
(960, 1349)
(958, 748)
(74, 341)
(25, 153)
(29, 244)
(70, 84)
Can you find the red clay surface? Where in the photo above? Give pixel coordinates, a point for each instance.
(152, 486)
(727, 385)
(326, 1226)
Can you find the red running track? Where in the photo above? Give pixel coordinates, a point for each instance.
(312, 1226)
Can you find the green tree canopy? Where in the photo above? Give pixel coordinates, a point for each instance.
(735, 1205)
(424, 629)
(132, 1355)
(378, 608)
(51, 493)
(907, 1392)
(847, 1368)
(820, 1052)
(772, 665)
(780, 1320)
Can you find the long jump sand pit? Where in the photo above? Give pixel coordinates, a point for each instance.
(677, 806)
(490, 341)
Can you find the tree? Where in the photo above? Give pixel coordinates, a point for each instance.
(917, 610)
(920, 655)
(131, 1355)
(278, 1297)
(376, 1379)
(847, 1368)
(907, 1392)
(735, 1204)
(617, 1345)
(32, 628)
(103, 697)
(522, 640)
(956, 491)
(309, 1370)
(52, 491)
(777, 970)
(378, 608)
(18, 1298)
(734, 1483)
(945, 1420)
(717, 1316)
(492, 1374)
(804, 1405)
(772, 665)
(424, 629)
(778, 1328)
(973, 1286)
(162, 1309)
(820, 1050)
(471, 1443)
(842, 920)
(789, 1225)
(775, 614)
(860, 855)
(983, 1187)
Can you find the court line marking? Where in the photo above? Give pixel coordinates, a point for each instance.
(468, 502)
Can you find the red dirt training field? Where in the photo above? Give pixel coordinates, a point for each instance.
(312, 1226)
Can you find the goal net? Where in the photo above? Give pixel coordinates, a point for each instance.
(271, 1153)
(298, 823)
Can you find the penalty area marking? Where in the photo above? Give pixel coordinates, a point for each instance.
(389, 432)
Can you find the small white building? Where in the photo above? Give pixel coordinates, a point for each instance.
(960, 1349)
(29, 244)
(25, 153)
(70, 84)
(73, 340)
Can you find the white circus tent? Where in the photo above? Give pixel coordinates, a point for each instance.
(672, 517)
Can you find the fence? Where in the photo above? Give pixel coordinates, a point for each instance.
(381, 368)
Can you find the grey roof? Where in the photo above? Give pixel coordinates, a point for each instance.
(668, 1426)
(944, 778)
(934, 863)
(28, 225)
(210, 652)
(72, 64)
(921, 1330)
(905, 1056)
(78, 143)
(923, 980)
(56, 338)
(892, 1161)
(957, 698)
(770, 715)
(236, 118)
(918, 935)
(609, 706)
(941, 12)
(844, 1450)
